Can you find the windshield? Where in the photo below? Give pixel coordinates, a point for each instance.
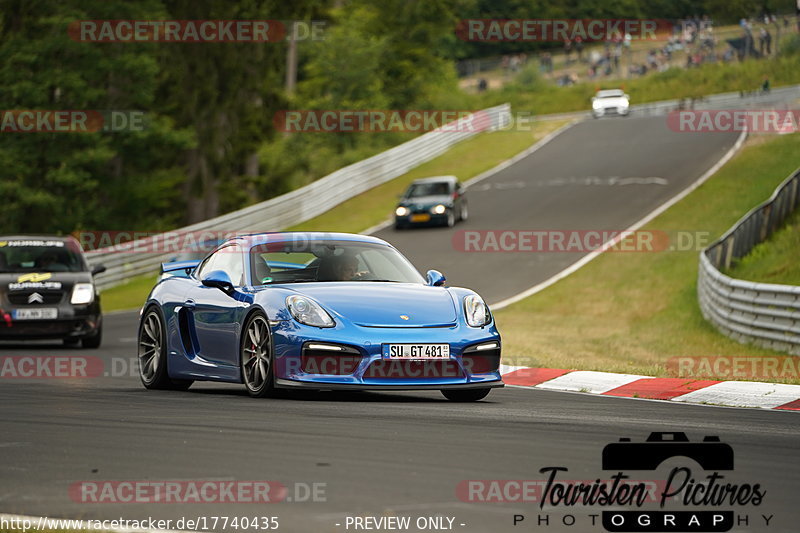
(436, 188)
(610, 94)
(39, 256)
(329, 261)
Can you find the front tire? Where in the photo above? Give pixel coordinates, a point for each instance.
(93, 342)
(255, 357)
(469, 395)
(464, 212)
(451, 218)
(152, 355)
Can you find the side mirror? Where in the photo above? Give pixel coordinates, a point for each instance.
(435, 278)
(218, 279)
(99, 269)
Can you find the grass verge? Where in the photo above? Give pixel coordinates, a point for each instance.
(776, 260)
(632, 312)
(129, 295)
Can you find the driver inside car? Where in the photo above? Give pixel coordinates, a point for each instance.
(340, 268)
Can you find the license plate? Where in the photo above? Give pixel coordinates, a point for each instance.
(45, 313)
(420, 218)
(417, 351)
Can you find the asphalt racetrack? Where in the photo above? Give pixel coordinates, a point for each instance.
(404, 454)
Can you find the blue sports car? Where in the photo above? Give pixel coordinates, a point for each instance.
(321, 311)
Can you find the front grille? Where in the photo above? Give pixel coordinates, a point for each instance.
(337, 363)
(413, 369)
(481, 362)
(21, 297)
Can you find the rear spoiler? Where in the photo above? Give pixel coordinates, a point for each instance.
(188, 266)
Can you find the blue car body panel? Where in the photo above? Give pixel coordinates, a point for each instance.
(204, 327)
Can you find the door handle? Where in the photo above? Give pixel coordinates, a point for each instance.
(189, 304)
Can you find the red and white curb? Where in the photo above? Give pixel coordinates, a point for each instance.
(686, 390)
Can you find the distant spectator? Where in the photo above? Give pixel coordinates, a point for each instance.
(765, 85)
(482, 85)
(764, 42)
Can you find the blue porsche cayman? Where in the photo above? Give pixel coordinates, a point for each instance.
(317, 311)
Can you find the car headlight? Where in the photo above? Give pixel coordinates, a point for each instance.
(308, 312)
(401, 211)
(438, 209)
(476, 311)
(596, 105)
(82, 293)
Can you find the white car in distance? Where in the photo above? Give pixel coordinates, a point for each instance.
(610, 102)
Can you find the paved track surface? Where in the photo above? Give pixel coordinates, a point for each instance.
(400, 454)
(598, 175)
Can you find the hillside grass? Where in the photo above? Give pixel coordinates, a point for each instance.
(776, 260)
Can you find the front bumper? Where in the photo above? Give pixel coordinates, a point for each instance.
(363, 364)
(610, 111)
(291, 384)
(433, 219)
(73, 322)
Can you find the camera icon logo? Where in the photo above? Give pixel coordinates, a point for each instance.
(710, 454)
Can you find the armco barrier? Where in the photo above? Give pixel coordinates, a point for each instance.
(296, 206)
(761, 313)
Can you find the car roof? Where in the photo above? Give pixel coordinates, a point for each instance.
(610, 93)
(434, 179)
(254, 239)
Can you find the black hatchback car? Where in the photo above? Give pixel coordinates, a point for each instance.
(436, 201)
(47, 291)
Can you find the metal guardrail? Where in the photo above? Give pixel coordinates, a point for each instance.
(127, 260)
(760, 313)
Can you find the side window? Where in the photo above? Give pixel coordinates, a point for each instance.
(227, 259)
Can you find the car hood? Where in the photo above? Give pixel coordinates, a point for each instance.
(426, 201)
(383, 305)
